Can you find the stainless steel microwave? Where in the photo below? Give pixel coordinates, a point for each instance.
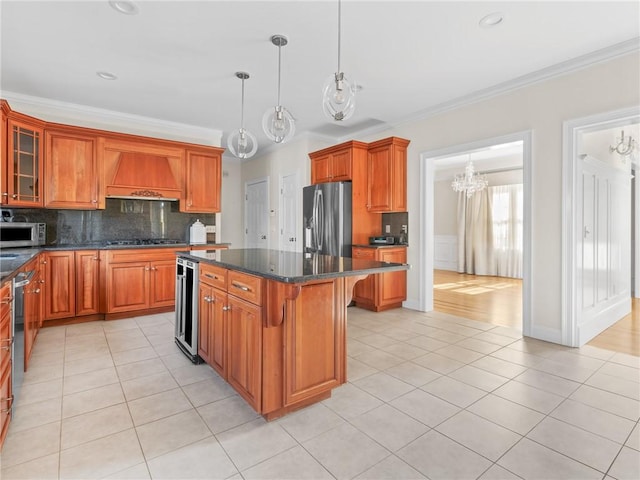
(22, 234)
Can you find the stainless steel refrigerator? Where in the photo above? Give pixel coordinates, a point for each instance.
(327, 218)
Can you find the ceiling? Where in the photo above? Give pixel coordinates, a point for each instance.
(176, 60)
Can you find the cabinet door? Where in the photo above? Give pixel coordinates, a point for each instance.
(245, 350)
(87, 282)
(392, 286)
(4, 109)
(32, 313)
(60, 281)
(320, 169)
(379, 173)
(205, 318)
(162, 276)
(341, 166)
(127, 286)
(202, 182)
(72, 172)
(24, 169)
(6, 304)
(6, 403)
(218, 333)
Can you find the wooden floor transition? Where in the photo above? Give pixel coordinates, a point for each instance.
(498, 300)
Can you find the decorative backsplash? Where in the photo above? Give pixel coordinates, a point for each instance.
(121, 219)
(395, 222)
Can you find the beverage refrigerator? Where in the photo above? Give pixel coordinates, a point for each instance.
(327, 219)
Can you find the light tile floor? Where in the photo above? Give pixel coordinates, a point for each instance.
(428, 396)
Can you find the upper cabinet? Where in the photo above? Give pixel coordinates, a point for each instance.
(202, 181)
(22, 165)
(73, 177)
(334, 164)
(387, 175)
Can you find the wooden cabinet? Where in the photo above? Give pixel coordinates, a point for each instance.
(24, 162)
(230, 328)
(385, 290)
(87, 266)
(334, 164)
(387, 175)
(6, 403)
(139, 279)
(203, 181)
(33, 304)
(60, 281)
(73, 179)
(4, 118)
(6, 346)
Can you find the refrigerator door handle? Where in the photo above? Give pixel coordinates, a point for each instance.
(320, 221)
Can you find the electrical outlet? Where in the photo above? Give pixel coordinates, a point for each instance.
(210, 228)
(387, 229)
(404, 229)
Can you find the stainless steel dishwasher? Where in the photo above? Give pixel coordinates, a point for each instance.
(186, 331)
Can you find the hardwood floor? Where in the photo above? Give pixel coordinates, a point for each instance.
(498, 300)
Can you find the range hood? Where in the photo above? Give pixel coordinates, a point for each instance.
(143, 176)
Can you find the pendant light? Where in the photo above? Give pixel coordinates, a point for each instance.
(338, 95)
(242, 143)
(278, 124)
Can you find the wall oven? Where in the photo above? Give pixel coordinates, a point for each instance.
(186, 329)
(22, 234)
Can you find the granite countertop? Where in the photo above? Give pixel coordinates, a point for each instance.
(12, 259)
(290, 267)
(366, 245)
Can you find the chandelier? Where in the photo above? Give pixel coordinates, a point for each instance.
(624, 147)
(469, 182)
(278, 123)
(338, 94)
(242, 143)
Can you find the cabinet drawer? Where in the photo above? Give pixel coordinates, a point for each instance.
(141, 255)
(214, 276)
(248, 287)
(364, 253)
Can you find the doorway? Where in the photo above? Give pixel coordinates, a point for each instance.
(600, 234)
(428, 166)
(256, 213)
(289, 213)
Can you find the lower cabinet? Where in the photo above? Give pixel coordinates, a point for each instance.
(140, 279)
(33, 308)
(6, 344)
(230, 329)
(60, 281)
(87, 264)
(385, 290)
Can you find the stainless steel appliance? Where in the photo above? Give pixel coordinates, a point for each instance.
(382, 240)
(17, 352)
(186, 330)
(327, 218)
(22, 234)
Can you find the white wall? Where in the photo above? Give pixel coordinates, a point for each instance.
(541, 107)
(231, 228)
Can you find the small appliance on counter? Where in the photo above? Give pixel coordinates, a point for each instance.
(382, 240)
(22, 234)
(197, 233)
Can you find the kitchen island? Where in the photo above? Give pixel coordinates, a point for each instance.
(273, 323)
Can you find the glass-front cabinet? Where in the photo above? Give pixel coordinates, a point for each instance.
(24, 164)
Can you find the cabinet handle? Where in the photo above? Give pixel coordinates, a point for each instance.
(241, 287)
(37, 290)
(7, 300)
(96, 259)
(94, 201)
(44, 262)
(213, 277)
(8, 399)
(14, 196)
(7, 340)
(6, 347)
(226, 309)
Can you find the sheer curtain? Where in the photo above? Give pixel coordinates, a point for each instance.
(490, 232)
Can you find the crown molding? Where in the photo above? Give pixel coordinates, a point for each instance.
(559, 69)
(86, 116)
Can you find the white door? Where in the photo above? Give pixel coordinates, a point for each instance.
(256, 214)
(289, 213)
(604, 246)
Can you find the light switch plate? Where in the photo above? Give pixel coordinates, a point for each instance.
(387, 229)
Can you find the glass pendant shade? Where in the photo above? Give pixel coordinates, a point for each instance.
(338, 93)
(470, 182)
(338, 97)
(277, 122)
(242, 143)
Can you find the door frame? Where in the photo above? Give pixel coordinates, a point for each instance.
(571, 129)
(246, 185)
(427, 178)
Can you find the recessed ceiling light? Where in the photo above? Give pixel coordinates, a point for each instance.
(124, 6)
(491, 20)
(106, 75)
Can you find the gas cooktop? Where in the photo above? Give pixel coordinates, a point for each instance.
(144, 241)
